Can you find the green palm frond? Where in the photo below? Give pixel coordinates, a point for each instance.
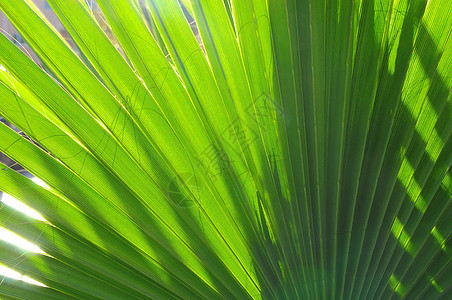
(229, 149)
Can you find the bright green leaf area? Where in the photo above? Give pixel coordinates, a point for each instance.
(227, 149)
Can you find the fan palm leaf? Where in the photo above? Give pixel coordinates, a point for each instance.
(210, 149)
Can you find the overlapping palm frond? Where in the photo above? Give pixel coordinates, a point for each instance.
(236, 149)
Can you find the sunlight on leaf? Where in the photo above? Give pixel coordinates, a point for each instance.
(7, 272)
(16, 240)
(19, 206)
(399, 233)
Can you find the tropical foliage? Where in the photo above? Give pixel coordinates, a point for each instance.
(302, 150)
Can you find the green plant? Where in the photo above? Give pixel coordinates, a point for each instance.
(302, 151)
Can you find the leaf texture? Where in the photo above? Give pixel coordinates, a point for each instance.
(229, 149)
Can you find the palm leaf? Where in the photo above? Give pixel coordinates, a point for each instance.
(229, 149)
